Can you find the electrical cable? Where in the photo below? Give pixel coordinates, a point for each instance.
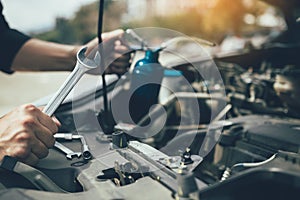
(228, 171)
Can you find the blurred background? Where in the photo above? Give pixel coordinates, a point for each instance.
(229, 23)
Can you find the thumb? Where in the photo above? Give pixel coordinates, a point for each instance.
(113, 35)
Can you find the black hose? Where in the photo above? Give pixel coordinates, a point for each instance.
(100, 24)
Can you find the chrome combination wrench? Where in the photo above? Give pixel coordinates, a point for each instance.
(69, 136)
(69, 153)
(83, 65)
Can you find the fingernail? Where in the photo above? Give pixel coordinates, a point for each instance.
(56, 121)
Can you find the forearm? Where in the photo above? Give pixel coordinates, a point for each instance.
(38, 55)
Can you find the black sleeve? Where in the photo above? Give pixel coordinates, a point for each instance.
(10, 42)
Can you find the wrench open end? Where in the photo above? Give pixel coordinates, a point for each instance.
(69, 153)
(72, 155)
(83, 65)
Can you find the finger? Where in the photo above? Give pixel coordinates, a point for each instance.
(121, 49)
(44, 135)
(119, 46)
(31, 159)
(47, 121)
(39, 149)
(117, 57)
(124, 58)
(56, 121)
(112, 35)
(121, 62)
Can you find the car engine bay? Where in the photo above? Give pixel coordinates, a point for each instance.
(241, 141)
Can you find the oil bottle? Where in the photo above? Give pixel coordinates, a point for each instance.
(145, 84)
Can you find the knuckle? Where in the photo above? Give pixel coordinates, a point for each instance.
(50, 142)
(55, 129)
(24, 136)
(52, 127)
(29, 108)
(28, 121)
(21, 152)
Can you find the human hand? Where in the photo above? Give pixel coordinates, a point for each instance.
(116, 55)
(26, 133)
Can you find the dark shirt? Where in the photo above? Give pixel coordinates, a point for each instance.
(10, 42)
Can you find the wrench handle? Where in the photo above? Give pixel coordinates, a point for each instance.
(62, 147)
(82, 65)
(64, 90)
